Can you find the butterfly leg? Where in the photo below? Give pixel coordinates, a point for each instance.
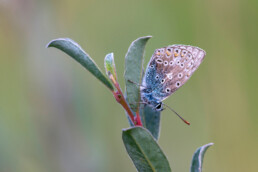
(139, 85)
(139, 103)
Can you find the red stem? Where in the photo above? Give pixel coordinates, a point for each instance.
(120, 99)
(138, 118)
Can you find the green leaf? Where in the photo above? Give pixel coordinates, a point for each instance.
(110, 65)
(77, 53)
(151, 120)
(197, 161)
(144, 150)
(133, 70)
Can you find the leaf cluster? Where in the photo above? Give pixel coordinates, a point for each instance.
(141, 138)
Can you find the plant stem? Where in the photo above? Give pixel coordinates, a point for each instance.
(138, 118)
(121, 100)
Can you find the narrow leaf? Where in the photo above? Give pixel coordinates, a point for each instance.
(77, 53)
(133, 70)
(144, 150)
(110, 65)
(151, 120)
(197, 161)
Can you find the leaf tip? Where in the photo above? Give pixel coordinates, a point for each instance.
(208, 145)
(143, 37)
(53, 42)
(50, 44)
(109, 56)
(148, 36)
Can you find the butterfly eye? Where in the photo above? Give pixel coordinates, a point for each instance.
(159, 107)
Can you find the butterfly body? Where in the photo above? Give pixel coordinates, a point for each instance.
(169, 68)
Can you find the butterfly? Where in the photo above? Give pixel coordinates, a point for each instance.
(168, 69)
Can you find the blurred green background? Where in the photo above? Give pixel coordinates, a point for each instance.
(55, 116)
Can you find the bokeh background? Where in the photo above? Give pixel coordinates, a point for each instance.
(55, 116)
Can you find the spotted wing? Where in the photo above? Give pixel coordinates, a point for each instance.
(170, 67)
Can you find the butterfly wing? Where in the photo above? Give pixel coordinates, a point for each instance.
(170, 67)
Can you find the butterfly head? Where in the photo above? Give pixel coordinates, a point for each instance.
(151, 101)
(159, 106)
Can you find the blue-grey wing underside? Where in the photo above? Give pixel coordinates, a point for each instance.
(169, 68)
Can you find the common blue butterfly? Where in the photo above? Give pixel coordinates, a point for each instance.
(169, 68)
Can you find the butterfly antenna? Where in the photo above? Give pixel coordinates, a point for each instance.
(188, 123)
